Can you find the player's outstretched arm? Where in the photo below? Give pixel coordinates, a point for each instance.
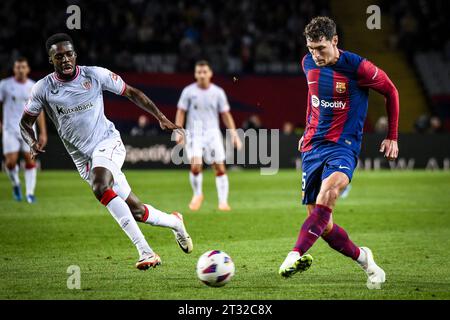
(42, 129)
(26, 129)
(140, 99)
(375, 78)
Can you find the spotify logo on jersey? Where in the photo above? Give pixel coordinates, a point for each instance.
(315, 101)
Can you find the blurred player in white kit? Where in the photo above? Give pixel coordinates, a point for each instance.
(203, 101)
(14, 93)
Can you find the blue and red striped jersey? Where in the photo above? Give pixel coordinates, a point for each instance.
(338, 100)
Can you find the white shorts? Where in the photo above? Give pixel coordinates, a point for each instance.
(109, 154)
(208, 145)
(13, 142)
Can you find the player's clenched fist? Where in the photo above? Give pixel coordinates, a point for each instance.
(390, 149)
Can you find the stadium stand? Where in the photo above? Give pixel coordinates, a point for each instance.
(157, 36)
(422, 34)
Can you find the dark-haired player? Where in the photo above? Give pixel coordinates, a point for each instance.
(73, 99)
(203, 101)
(339, 83)
(14, 93)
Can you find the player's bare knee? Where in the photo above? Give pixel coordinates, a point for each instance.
(333, 193)
(99, 187)
(10, 164)
(328, 196)
(10, 161)
(196, 169)
(220, 170)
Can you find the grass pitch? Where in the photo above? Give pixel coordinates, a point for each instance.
(404, 217)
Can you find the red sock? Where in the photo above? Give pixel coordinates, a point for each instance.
(30, 166)
(338, 239)
(312, 228)
(107, 197)
(146, 213)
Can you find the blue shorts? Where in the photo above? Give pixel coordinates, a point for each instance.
(320, 162)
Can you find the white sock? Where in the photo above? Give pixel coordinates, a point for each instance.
(161, 219)
(362, 258)
(14, 175)
(196, 183)
(121, 212)
(30, 180)
(222, 188)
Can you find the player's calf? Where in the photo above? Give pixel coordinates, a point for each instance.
(30, 180)
(338, 239)
(148, 214)
(196, 180)
(313, 227)
(102, 181)
(12, 170)
(122, 214)
(137, 208)
(222, 186)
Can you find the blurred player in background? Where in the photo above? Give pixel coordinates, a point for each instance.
(14, 93)
(203, 101)
(73, 99)
(339, 83)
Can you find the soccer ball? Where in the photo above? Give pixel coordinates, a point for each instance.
(215, 268)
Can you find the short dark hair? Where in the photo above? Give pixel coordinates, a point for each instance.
(20, 59)
(201, 63)
(320, 27)
(56, 38)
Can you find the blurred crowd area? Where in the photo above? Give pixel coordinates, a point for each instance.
(165, 36)
(420, 25)
(422, 32)
(236, 36)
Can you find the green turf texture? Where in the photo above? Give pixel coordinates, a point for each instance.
(403, 217)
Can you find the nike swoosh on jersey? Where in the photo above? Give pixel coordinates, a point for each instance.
(312, 82)
(344, 167)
